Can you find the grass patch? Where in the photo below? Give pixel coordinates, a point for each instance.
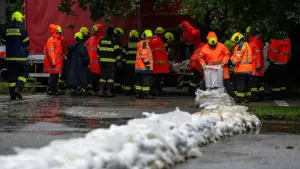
(28, 89)
(272, 112)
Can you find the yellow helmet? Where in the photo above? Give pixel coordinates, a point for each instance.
(78, 35)
(159, 30)
(17, 16)
(212, 41)
(118, 31)
(147, 34)
(134, 33)
(237, 37)
(58, 29)
(169, 36)
(84, 31)
(248, 29)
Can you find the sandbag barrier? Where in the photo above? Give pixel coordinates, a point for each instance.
(154, 142)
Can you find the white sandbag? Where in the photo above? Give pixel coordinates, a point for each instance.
(213, 76)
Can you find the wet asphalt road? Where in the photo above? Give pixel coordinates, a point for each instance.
(36, 120)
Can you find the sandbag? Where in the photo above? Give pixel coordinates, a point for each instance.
(213, 76)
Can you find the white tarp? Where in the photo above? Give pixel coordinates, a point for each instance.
(213, 76)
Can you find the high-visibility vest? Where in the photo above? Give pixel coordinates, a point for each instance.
(143, 57)
(242, 58)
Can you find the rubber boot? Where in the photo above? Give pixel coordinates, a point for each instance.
(12, 93)
(101, 93)
(18, 93)
(110, 94)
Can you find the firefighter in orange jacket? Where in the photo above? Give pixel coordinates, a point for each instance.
(92, 44)
(214, 53)
(161, 64)
(257, 47)
(242, 62)
(192, 35)
(53, 59)
(279, 55)
(144, 66)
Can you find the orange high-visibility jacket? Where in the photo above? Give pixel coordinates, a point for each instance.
(242, 58)
(190, 34)
(220, 54)
(257, 47)
(143, 57)
(194, 64)
(160, 56)
(280, 51)
(53, 59)
(92, 44)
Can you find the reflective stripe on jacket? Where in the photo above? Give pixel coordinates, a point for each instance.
(257, 47)
(53, 53)
(160, 56)
(16, 40)
(129, 52)
(92, 45)
(143, 57)
(108, 50)
(242, 58)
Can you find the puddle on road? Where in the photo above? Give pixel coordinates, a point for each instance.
(280, 127)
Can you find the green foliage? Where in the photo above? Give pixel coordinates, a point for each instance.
(272, 18)
(271, 112)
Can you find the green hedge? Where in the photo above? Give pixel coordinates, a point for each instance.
(271, 112)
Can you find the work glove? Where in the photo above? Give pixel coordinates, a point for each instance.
(204, 67)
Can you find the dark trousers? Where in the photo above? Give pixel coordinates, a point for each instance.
(94, 78)
(62, 79)
(118, 79)
(53, 82)
(142, 84)
(228, 84)
(257, 89)
(157, 82)
(17, 74)
(129, 78)
(107, 76)
(195, 79)
(278, 80)
(243, 86)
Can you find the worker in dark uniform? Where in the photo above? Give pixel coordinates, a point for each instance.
(118, 32)
(16, 40)
(128, 57)
(108, 49)
(78, 59)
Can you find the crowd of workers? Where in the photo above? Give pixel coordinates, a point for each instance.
(112, 67)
